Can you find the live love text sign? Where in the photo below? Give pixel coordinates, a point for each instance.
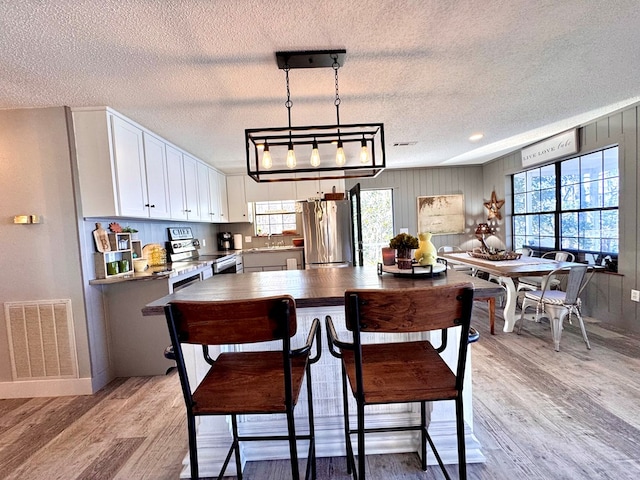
(555, 147)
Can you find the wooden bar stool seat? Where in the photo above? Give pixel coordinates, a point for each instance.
(245, 382)
(404, 371)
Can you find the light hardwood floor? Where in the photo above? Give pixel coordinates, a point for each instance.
(539, 414)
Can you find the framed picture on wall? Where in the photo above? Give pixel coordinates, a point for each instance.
(441, 214)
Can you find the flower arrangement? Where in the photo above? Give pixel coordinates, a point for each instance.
(129, 230)
(403, 241)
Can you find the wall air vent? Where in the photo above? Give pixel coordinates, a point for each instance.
(41, 339)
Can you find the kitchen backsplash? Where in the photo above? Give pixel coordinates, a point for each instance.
(153, 231)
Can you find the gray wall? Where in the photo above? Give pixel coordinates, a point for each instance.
(39, 262)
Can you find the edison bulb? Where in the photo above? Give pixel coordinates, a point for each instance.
(315, 155)
(364, 153)
(291, 157)
(341, 159)
(267, 163)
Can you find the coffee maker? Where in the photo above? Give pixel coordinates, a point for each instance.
(225, 241)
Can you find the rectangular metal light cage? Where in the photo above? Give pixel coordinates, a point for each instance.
(326, 136)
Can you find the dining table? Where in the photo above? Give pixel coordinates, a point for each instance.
(505, 271)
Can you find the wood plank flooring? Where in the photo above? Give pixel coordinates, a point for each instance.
(539, 414)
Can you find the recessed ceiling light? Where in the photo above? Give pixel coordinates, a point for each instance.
(476, 136)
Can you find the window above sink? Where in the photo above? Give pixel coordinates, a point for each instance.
(275, 218)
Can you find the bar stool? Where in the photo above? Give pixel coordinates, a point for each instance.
(403, 372)
(238, 383)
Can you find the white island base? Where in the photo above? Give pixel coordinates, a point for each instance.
(214, 437)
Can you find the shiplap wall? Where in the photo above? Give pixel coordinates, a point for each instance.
(411, 183)
(608, 297)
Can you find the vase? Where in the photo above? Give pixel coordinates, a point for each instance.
(404, 258)
(426, 254)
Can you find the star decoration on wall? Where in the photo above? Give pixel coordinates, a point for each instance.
(493, 206)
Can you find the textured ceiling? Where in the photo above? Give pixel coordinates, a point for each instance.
(199, 72)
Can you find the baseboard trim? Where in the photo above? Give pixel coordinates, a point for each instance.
(46, 388)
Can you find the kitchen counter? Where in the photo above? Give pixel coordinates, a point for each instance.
(166, 271)
(271, 249)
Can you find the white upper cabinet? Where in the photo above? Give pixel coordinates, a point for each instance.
(327, 186)
(131, 177)
(218, 197)
(306, 189)
(191, 187)
(222, 198)
(269, 191)
(157, 177)
(204, 198)
(175, 174)
(214, 201)
(239, 210)
(112, 167)
(126, 171)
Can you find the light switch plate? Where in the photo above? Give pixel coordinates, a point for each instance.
(635, 295)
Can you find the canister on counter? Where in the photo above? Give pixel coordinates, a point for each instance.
(237, 241)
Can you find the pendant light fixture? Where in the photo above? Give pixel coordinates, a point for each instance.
(336, 151)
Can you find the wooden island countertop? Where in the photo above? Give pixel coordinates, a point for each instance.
(320, 287)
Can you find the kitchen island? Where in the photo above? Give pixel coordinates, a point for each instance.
(318, 293)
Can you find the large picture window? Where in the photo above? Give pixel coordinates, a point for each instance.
(570, 205)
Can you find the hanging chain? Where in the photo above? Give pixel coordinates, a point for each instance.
(336, 66)
(288, 103)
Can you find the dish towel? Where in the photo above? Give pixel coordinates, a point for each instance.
(292, 264)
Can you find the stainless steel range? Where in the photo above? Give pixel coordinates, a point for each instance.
(182, 247)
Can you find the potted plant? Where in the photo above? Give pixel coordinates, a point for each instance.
(132, 231)
(404, 243)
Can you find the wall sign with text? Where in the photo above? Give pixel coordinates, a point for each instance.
(557, 146)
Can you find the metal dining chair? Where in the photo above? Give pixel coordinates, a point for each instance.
(557, 304)
(245, 382)
(535, 282)
(403, 372)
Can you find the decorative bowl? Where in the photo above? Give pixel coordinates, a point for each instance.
(140, 264)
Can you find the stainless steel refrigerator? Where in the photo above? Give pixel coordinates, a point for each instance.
(327, 233)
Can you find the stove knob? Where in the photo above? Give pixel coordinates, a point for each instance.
(176, 245)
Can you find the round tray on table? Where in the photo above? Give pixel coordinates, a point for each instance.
(416, 270)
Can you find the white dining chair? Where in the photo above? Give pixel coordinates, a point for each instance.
(453, 266)
(556, 304)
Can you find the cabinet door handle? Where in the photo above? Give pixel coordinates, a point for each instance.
(150, 206)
